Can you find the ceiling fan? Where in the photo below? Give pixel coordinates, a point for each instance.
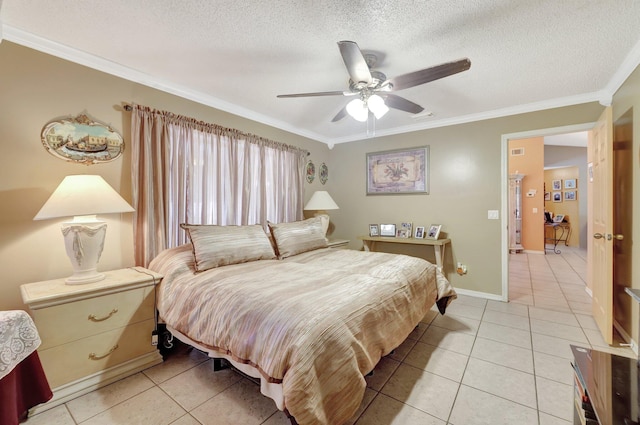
(374, 89)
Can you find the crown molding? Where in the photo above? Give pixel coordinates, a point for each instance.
(496, 113)
(62, 51)
(629, 64)
(15, 35)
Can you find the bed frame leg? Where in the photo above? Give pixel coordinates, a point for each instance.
(292, 419)
(219, 364)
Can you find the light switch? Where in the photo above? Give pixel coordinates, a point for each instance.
(535, 211)
(493, 215)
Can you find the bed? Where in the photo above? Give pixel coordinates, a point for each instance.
(307, 320)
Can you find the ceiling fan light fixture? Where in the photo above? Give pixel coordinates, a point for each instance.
(377, 106)
(358, 110)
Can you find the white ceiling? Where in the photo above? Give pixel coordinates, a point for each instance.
(576, 140)
(238, 55)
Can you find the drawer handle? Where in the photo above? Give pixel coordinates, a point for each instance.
(93, 356)
(93, 317)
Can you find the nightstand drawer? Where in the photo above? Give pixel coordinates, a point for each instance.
(65, 323)
(69, 362)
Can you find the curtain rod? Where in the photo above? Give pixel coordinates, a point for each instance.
(129, 108)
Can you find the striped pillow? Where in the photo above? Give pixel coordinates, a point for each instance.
(215, 246)
(298, 236)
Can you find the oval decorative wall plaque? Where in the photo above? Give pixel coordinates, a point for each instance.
(82, 140)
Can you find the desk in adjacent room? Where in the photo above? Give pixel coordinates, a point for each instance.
(555, 233)
(438, 245)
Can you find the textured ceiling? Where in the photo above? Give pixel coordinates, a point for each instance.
(238, 55)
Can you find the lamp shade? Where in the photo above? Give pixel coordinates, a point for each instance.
(83, 195)
(321, 200)
(377, 106)
(358, 110)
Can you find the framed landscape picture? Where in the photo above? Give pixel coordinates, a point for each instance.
(396, 172)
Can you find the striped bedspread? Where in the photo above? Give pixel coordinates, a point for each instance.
(315, 322)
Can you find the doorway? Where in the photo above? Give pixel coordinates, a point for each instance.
(622, 221)
(505, 188)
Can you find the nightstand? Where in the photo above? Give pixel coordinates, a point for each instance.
(338, 243)
(96, 333)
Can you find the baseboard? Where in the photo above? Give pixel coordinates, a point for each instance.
(478, 294)
(625, 336)
(530, 251)
(588, 291)
(97, 380)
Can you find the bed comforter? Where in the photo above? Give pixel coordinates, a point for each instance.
(315, 322)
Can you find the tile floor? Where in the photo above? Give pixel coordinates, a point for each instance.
(484, 362)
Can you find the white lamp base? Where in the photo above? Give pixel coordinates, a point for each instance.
(84, 242)
(324, 219)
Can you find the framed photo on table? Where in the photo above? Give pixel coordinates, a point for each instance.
(388, 230)
(434, 231)
(419, 232)
(373, 230)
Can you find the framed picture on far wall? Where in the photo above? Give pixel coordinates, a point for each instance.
(557, 196)
(569, 195)
(556, 184)
(570, 184)
(547, 196)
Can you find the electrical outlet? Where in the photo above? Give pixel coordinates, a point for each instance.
(154, 338)
(493, 215)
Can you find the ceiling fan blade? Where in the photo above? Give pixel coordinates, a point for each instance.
(416, 78)
(397, 102)
(355, 62)
(340, 115)
(321, 93)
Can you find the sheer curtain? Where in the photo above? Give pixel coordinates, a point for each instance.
(185, 170)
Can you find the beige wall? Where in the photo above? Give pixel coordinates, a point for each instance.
(570, 156)
(531, 165)
(37, 88)
(465, 181)
(568, 208)
(465, 172)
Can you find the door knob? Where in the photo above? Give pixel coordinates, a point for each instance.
(618, 237)
(598, 236)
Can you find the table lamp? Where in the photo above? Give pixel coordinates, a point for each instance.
(321, 202)
(83, 196)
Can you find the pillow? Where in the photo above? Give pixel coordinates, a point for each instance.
(215, 246)
(298, 236)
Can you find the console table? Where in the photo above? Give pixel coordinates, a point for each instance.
(555, 233)
(438, 245)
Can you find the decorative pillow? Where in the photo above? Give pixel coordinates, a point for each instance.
(215, 246)
(298, 236)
